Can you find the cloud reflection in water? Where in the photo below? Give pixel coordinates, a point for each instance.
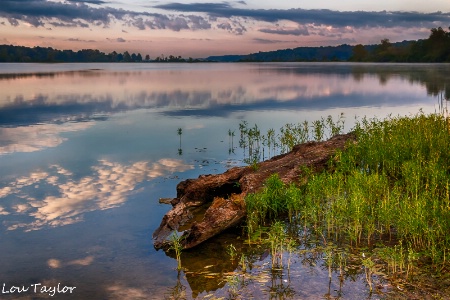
(36, 137)
(109, 186)
(57, 263)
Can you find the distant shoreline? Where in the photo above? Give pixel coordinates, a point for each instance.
(435, 49)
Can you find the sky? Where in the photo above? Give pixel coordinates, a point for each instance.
(202, 28)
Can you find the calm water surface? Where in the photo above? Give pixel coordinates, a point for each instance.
(87, 150)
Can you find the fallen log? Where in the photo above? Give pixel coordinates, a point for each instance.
(220, 198)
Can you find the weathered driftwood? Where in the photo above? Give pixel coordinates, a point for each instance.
(221, 196)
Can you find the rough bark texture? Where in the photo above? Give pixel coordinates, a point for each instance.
(224, 193)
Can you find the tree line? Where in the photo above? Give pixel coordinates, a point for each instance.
(9, 53)
(172, 58)
(436, 48)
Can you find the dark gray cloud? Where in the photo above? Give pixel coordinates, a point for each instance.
(98, 2)
(198, 22)
(225, 26)
(297, 31)
(175, 23)
(117, 40)
(36, 12)
(138, 23)
(84, 13)
(164, 22)
(266, 41)
(316, 16)
(232, 26)
(79, 40)
(76, 23)
(221, 9)
(77, 13)
(13, 22)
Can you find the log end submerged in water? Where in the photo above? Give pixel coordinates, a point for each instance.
(224, 194)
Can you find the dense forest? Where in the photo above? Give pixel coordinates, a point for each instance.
(9, 53)
(436, 48)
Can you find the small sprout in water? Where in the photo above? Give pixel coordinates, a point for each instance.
(177, 247)
(180, 132)
(231, 250)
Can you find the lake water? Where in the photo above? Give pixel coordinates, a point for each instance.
(87, 150)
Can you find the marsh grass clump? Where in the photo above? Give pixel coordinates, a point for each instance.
(390, 191)
(277, 239)
(257, 145)
(405, 162)
(267, 205)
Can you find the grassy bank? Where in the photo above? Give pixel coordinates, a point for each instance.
(386, 197)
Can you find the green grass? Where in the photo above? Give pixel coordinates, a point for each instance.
(258, 146)
(177, 247)
(389, 192)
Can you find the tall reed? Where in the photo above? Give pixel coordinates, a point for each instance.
(256, 144)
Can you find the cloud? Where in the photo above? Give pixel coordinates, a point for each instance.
(164, 22)
(79, 14)
(75, 23)
(37, 12)
(316, 16)
(13, 21)
(266, 41)
(80, 40)
(119, 40)
(174, 23)
(301, 30)
(225, 26)
(220, 9)
(198, 22)
(86, 13)
(98, 2)
(232, 25)
(107, 187)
